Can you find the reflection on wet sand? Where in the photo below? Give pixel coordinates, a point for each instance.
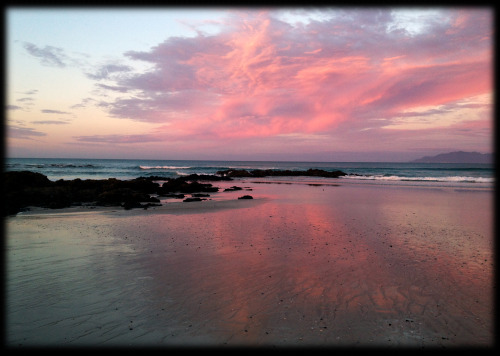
(316, 273)
(323, 265)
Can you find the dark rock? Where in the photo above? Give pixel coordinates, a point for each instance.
(258, 173)
(234, 173)
(280, 173)
(187, 200)
(131, 205)
(246, 197)
(127, 195)
(200, 195)
(172, 195)
(24, 188)
(19, 179)
(142, 185)
(154, 178)
(204, 177)
(322, 173)
(182, 186)
(151, 204)
(233, 188)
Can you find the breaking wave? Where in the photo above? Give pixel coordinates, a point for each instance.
(423, 179)
(163, 167)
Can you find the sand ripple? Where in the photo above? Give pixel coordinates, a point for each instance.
(335, 265)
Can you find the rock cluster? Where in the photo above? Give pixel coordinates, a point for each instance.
(187, 200)
(25, 188)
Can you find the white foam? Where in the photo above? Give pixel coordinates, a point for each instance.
(424, 179)
(163, 167)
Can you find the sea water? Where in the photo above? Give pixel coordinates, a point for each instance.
(402, 173)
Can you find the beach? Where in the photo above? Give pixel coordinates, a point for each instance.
(301, 264)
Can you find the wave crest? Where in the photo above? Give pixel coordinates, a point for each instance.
(163, 167)
(424, 179)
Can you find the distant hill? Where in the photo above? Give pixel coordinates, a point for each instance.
(457, 157)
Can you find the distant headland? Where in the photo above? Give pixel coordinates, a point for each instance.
(457, 157)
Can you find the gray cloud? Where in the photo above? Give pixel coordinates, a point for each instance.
(119, 138)
(120, 89)
(30, 92)
(49, 55)
(28, 99)
(104, 72)
(23, 132)
(49, 111)
(51, 122)
(84, 103)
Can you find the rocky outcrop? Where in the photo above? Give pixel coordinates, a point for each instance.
(19, 179)
(182, 186)
(187, 200)
(257, 173)
(122, 196)
(25, 188)
(204, 177)
(173, 195)
(233, 188)
(200, 195)
(237, 173)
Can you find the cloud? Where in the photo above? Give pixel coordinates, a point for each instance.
(51, 122)
(105, 71)
(30, 92)
(50, 111)
(26, 99)
(23, 132)
(49, 55)
(118, 139)
(260, 76)
(428, 85)
(84, 103)
(113, 88)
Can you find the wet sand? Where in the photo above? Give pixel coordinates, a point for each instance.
(299, 265)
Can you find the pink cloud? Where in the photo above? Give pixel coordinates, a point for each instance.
(118, 139)
(17, 132)
(430, 85)
(261, 77)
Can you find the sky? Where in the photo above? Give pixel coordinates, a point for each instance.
(293, 84)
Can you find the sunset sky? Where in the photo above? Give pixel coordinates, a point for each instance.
(311, 84)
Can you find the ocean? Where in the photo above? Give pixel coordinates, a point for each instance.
(404, 173)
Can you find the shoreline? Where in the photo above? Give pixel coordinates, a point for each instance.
(215, 199)
(169, 208)
(28, 188)
(299, 265)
